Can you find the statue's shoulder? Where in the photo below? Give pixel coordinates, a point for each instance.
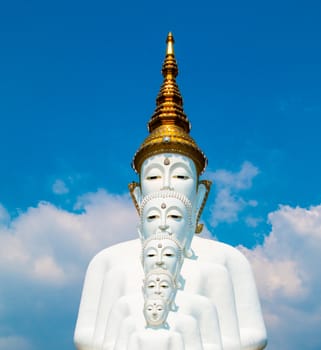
(119, 253)
(211, 248)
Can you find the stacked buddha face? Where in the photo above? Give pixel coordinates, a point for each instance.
(169, 198)
(168, 213)
(170, 186)
(159, 293)
(165, 220)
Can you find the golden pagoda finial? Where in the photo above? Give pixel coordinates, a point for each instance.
(169, 102)
(169, 126)
(170, 44)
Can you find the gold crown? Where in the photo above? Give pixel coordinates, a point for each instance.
(169, 126)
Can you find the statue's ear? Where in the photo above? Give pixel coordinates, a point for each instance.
(136, 194)
(201, 198)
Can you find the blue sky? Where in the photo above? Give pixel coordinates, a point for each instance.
(78, 83)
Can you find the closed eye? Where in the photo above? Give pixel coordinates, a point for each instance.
(154, 177)
(152, 217)
(173, 216)
(181, 177)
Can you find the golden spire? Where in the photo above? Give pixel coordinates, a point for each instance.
(169, 126)
(169, 102)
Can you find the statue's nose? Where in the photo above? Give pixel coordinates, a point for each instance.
(163, 227)
(159, 261)
(167, 182)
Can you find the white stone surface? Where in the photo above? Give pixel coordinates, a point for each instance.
(216, 304)
(219, 272)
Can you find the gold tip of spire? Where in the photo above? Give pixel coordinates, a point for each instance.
(170, 69)
(170, 44)
(169, 126)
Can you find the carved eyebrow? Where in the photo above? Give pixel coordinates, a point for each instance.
(151, 251)
(182, 169)
(169, 251)
(174, 216)
(152, 169)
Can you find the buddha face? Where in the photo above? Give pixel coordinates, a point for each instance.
(155, 312)
(168, 215)
(169, 171)
(162, 254)
(159, 285)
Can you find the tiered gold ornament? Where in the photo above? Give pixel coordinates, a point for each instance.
(169, 126)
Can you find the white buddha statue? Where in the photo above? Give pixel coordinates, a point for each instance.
(217, 305)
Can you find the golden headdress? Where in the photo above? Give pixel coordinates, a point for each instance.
(169, 126)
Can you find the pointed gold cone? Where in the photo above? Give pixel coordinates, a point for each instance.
(169, 126)
(169, 102)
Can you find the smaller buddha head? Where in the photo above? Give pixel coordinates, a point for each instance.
(172, 211)
(162, 251)
(167, 212)
(156, 312)
(160, 283)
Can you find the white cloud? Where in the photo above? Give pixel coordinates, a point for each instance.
(51, 245)
(253, 221)
(59, 187)
(237, 181)
(14, 343)
(287, 270)
(43, 256)
(228, 202)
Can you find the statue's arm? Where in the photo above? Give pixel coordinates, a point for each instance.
(252, 329)
(211, 335)
(188, 327)
(218, 287)
(118, 314)
(204, 311)
(89, 304)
